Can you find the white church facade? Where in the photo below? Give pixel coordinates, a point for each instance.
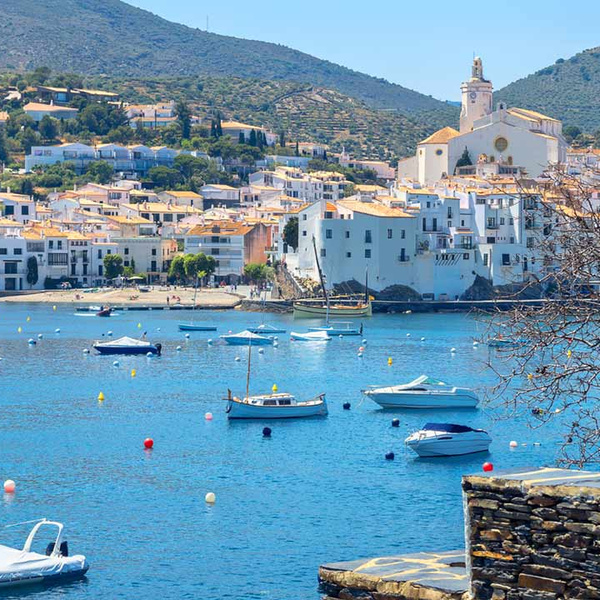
(510, 136)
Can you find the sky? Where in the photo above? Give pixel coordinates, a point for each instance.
(425, 45)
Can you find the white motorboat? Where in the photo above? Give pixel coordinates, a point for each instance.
(311, 336)
(18, 567)
(275, 406)
(127, 345)
(247, 338)
(339, 328)
(423, 392)
(447, 439)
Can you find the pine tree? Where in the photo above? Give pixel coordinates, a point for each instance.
(4, 155)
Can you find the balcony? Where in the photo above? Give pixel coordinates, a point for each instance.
(492, 226)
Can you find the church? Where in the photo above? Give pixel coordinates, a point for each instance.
(506, 136)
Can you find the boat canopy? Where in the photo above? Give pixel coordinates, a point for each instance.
(447, 428)
(424, 379)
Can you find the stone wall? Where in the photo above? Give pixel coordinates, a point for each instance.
(533, 535)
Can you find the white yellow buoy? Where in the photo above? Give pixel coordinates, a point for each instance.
(133, 372)
(210, 498)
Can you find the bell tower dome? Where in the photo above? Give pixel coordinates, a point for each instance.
(476, 97)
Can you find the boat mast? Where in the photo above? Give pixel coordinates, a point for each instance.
(367, 286)
(248, 373)
(321, 277)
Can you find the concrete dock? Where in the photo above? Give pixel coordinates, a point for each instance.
(422, 576)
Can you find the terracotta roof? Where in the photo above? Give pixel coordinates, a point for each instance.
(188, 194)
(373, 209)
(442, 136)
(523, 112)
(225, 228)
(38, 106)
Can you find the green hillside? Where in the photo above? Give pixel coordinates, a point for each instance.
(568, 90)
(111, 37)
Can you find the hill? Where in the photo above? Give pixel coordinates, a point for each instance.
(112, 37)
(302, 112)
(568, 90)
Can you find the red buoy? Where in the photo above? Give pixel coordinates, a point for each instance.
(488, 467)
(148, 443)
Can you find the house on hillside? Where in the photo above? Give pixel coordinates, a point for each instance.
(38, 111)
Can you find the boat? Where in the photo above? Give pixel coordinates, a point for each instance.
(423, 392)
(272, 406)
(89, 309)
(192, 326)
(448, 439)
(275, 406)
(105, 311)
(502, 342)
(127, 345)
(22, 566)
(265, 329)
(195, 327)
(247, 338)
(342, 308)
(339, 328)
(310, 336)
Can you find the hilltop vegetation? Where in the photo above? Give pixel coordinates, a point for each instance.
(294, 111)
(568, 90)
(111, 37)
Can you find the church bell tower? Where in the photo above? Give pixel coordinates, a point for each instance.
(476, 97)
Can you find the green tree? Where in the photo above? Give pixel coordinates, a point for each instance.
(165, 177)
(241, 138)
(571, 132)
(113, 265)
(290, 233)
(100, 171)
(282, 139)
(184, 118)
(258, 272)
(252, 141)
(177, 268)
(4, 153)
(48, 128)
(32, 271)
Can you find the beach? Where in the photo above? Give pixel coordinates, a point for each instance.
(157, 296)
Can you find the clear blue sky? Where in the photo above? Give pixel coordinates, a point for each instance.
(426, 45)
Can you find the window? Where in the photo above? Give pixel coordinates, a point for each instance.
(328, 234)
(429, 205)
(501, 144)
(490, 240)
(55, 258)
(153, 251)
(403, 234)
(512, 240)
(304, 217)
(368, 239)
(59, 245)
(24, 210)
(168, 218)
(390, 233)
(506, 260)
(100, 270)
(9, 210)
(323, 252)
(449, 212)
(99, 253)
(10, 268)
(462, 223)
(153, 265)
(125, 263)
(466, 256)
(3, 251)
(439, 152)
(368, 253)
(347, 234)
(501, 220)
(511, 221)
(126, 252)
(304, 233)
(485, 260)
(18, 250)
(348, 254)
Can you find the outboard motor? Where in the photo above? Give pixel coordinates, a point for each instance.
(64, 548)
(50, 549)
(158, 349)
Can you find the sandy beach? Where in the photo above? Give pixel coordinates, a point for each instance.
(157, 296)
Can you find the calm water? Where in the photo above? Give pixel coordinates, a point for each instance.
(317, 491)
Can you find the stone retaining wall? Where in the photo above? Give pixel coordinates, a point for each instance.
(533, 535)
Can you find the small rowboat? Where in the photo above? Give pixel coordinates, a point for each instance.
(195, 327)
(265, 329)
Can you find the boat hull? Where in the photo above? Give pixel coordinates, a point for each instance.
(265, 331)
(448, 444)
(412, 400)
(191, 327)
(242, 410)
(232, 341)
(334, 331)
(131, 351)
(302, 309)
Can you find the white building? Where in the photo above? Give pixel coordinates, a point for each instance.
(515, 136)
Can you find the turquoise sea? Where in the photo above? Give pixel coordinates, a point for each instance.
(317, 491)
